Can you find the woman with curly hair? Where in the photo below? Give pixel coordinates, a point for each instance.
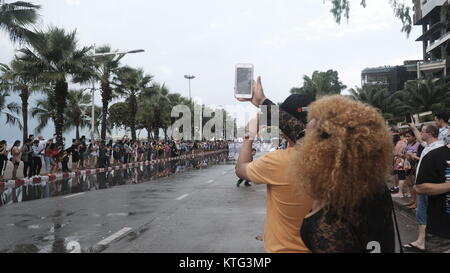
(343, 163)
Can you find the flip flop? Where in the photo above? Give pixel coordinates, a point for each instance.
(413, 248)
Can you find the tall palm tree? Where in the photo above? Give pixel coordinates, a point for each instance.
(18, 79)
(130, 82)
(8, 110)
(57, 55)
(78, 110)
(16, 17)
(103, 69)
(321, 83)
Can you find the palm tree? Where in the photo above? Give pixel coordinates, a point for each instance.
(379, 97)
(321, 83)
(78, 110)
(44, 111)
(426, 95)
(154, 108)
(103, 70)
(16, 17)
(18, 79)
(55, 53)
(130, 83)
(12, 108)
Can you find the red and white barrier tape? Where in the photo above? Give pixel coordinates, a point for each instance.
(60, 176)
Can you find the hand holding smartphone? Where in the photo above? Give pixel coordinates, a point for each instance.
(244, 81)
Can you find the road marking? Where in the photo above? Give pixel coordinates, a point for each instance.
(74, 195)
(210, 181)
(115, 236)
(182, 197)
(224, 173)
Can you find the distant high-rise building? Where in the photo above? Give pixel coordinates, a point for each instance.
(432, 16)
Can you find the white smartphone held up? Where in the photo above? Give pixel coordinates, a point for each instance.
(244, 81)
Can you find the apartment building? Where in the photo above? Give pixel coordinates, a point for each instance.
(432, 16)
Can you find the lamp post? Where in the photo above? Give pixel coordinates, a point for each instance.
(189, 77)
(121, 55)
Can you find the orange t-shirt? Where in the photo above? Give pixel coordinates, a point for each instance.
(286, 205)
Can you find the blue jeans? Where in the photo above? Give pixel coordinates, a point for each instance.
(421, 211)
(47, 162)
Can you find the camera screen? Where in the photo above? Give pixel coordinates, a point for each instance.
(244, 80)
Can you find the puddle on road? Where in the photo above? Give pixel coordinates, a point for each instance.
(108, 180)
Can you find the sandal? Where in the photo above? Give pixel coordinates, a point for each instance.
(412, 248)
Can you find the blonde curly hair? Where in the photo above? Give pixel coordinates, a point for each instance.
(346, 157)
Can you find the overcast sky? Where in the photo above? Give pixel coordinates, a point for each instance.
(206, 38)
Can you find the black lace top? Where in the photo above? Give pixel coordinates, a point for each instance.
(326, 233)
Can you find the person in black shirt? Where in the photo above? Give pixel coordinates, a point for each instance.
(434, 181)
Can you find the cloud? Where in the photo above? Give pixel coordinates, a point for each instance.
(73, 2)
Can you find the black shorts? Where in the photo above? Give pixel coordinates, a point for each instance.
(401, 174)
(410, 172)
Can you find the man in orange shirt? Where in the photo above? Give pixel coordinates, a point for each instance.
(286, 204)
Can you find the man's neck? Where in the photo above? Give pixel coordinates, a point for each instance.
(432, 140)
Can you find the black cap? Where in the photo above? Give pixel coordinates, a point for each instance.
(296, 105)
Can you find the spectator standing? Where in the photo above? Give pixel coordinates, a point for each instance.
(47, 160)
(16, 154)
(434, 181)
(3, 157)
(345, 142)
(411, 156)
(442, 123)
(429, 135)
(286, 206)
(37, 158)
(27, 158)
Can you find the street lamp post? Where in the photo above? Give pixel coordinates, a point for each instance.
(189, 77)
(122, 54)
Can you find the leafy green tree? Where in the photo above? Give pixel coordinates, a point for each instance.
(401, 11)
(16, 18)
(9, 110)
(320, 84)
(119, 115)
(56, 54)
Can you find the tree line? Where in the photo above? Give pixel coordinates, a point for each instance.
(418, 96)
(48, 60)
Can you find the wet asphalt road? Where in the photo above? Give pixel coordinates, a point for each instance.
(199, 211)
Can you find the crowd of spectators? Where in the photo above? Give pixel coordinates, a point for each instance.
(42, 157)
